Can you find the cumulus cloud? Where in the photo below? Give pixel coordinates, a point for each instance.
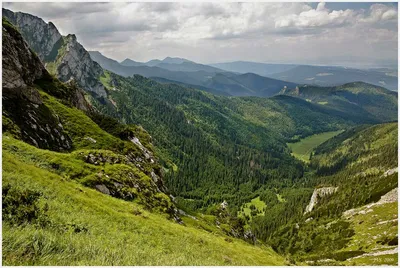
(321, 18)
(380, 12)
(209, 32)
(318, 17)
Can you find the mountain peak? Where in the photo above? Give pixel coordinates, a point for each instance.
(71, 37)
(175, 60)
(129, 62)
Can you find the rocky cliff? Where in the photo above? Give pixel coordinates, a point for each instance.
(24, 114)
(41, 37)
(317, 194)
(75, 62)
(65, 57)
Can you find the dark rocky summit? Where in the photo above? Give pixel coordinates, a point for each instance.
(23, 110)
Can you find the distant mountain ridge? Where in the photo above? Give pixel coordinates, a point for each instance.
(191, 73)
(368, 100)
(263, 69)
(334, 76)
(151, 63)
(129, 62)
(315, 75)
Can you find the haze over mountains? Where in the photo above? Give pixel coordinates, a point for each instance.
(207, 77)
(295, 74)
(245, 78)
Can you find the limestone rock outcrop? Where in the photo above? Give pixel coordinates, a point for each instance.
(76, 63)
(68, 57)
(43, 36)
(317, 194)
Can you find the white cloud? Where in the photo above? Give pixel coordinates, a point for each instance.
(380, 12)
(209, 32)
(322, 18)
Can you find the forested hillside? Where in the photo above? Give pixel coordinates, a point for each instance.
(240, 141)
(336, 75)
(358, 99)
(351, 170)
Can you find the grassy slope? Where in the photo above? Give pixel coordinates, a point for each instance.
(355, 162)
(371, 151)
(259, 204)
(371, 227)
(303, 148)
(115, 232)
(115, 235)
(375, 225)
(360, 100)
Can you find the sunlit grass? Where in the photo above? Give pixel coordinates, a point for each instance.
(302, 149)
(118, 232)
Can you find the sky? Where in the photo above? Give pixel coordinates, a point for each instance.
(348, 34)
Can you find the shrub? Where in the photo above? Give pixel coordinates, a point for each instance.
(21, 206)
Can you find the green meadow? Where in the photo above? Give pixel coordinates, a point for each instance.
(76, 225)
(303, 148)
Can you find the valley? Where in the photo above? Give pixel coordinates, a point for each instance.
(303, 148)
(172, 162)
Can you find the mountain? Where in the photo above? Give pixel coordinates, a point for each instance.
(63, 55)
(200, 76)
(183, 65)
(368, 100)
(248, 84)
(149, 165)
(314, 75)
(172, 60)
(263, 69)
(44, 38)
(166, 68)
(263, 86)
(129, 62)
(188, 66)
(333, 76)
(207, 89)
(105, 187)
(195, 78)
(351, 215)
(152, 63)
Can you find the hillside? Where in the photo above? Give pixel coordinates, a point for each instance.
(263, 69)
(354, 175)
(198, 131)
(248, 84)
(63, 56)
(357, 98)
(334, 76)
(102, 196)
(109, 169)
(200, 76)
(242, 140)
(152, 70)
